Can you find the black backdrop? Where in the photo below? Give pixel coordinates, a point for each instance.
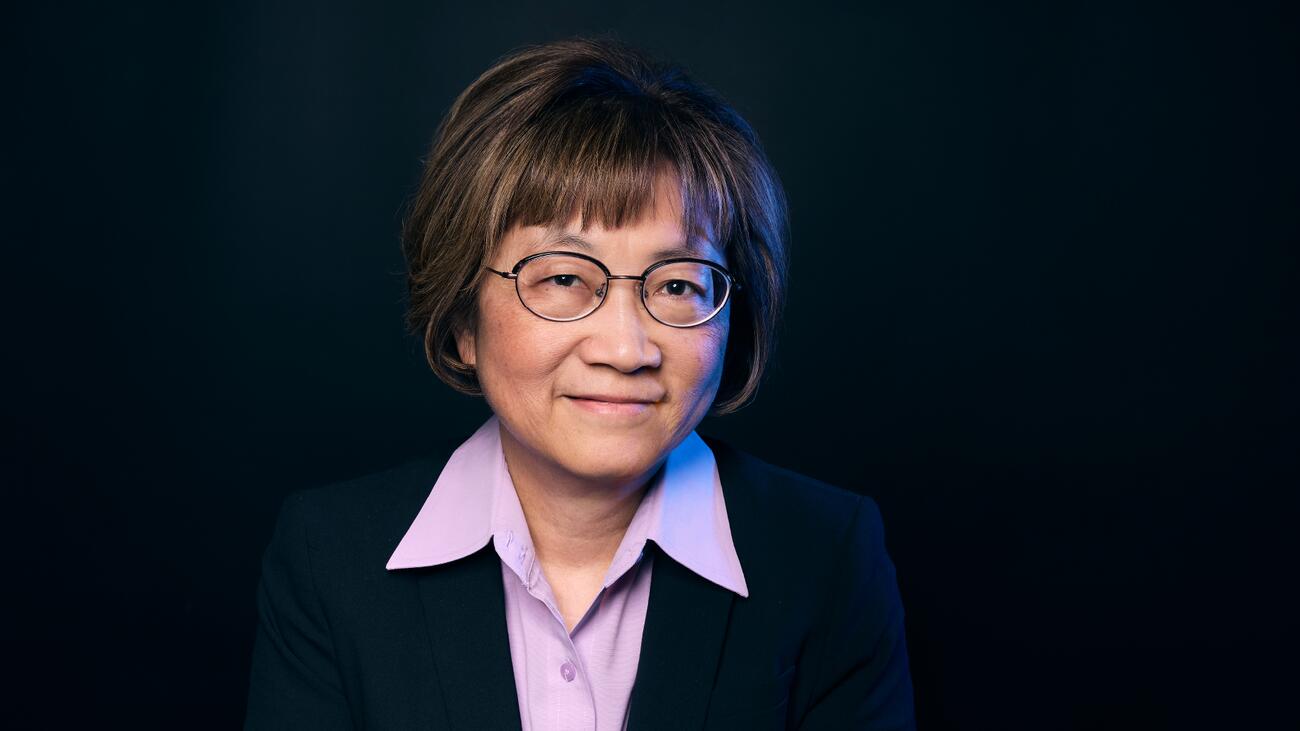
(1043, 310)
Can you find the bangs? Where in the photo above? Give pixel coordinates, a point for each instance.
(600, 158)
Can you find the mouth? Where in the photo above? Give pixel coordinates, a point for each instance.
(612, 399)
(610, 405)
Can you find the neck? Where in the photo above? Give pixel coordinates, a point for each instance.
(575, 522)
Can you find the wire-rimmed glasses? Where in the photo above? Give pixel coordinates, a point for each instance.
(563, 286)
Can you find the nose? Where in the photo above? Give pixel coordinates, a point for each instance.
(621, 330)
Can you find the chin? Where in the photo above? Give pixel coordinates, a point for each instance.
(612, 457)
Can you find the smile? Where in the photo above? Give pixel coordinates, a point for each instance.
(609, 408)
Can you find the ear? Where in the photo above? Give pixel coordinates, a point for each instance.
(465, 346)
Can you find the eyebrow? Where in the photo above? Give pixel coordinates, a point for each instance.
(577, 242)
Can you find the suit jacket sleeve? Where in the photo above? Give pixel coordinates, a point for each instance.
(861, 677)
(294, 682)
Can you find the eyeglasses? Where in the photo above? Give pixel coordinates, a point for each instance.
(564, 286)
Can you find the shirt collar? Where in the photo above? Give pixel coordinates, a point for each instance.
(474, 500)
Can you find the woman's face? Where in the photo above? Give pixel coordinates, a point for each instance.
(534, 372)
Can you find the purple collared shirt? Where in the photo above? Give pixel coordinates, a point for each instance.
(580, 679)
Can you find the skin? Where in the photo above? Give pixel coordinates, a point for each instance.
(580, 476)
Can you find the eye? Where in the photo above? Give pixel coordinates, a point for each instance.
(679, 288)
(564, 280)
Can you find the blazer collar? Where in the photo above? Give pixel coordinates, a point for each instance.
(681, 645)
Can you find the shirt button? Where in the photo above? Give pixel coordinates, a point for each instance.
(567, 671)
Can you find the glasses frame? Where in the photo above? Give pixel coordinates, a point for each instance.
(732, 284)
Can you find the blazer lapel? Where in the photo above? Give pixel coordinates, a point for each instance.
(680, 647)
(464, 608)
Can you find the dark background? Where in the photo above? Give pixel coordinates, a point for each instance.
(1043, 309)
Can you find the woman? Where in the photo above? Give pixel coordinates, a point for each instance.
(598, 249)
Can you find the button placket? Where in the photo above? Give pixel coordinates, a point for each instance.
(525, 561)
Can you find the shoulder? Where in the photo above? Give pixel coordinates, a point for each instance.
(363, 517)
(757, 486)
(780, 517)
(816, 564)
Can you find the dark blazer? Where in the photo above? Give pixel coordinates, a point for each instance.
(344, 643)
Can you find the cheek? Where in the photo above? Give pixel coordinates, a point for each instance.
(513, 349)
(702, 358)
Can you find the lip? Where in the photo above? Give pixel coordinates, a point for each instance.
(611, 399)
(610, 408)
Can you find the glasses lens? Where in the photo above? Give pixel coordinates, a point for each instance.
(560, 287)
(685, 293)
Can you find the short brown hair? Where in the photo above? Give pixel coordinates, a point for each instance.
(582, 126)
